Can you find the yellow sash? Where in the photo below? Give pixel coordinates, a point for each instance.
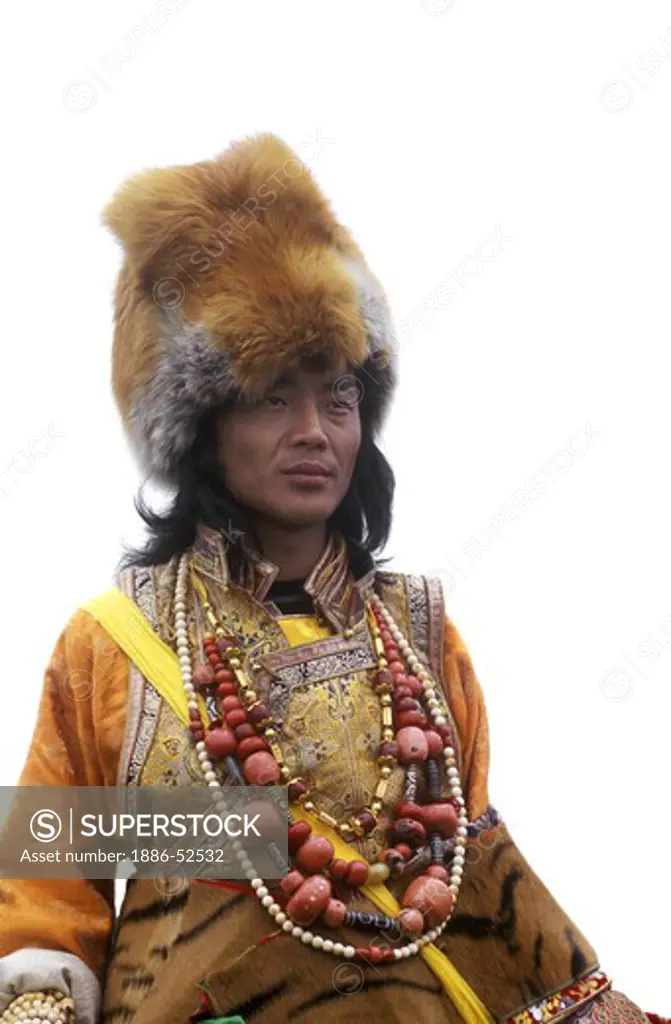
(127, 625)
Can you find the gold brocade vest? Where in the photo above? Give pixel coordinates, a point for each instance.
(508, 938)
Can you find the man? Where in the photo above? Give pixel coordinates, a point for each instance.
(253, 366)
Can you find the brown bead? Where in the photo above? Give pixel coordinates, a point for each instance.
(367, 821)
(224, 642)
(296, 790)
(259, 713)
(389, 749)
(224, 675)
(297, 834)
(315, 853)
(410, 831)
(244, 731)
(226, 690)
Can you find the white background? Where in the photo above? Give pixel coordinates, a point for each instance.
(431, 126)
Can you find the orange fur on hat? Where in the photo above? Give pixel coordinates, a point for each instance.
(234, 268)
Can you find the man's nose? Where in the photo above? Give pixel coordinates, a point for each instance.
(307, 422)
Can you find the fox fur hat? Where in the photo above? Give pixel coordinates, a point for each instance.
(234, 268)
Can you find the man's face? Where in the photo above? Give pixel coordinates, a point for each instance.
(272, 450)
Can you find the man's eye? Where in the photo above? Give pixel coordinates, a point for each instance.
(274, 400)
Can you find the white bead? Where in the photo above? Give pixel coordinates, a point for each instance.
(307, 938)
(257, 883)
(200, 746)
(349, 952)
(413, 948)
(246, 865)
(328, 946)
(453, 889)
(180, 606)
(457, 871)
(251, 873)
(448, 752)
(440, 720)
(338, 948)
(297, 931)
(210, 776)
(461, 831)
(398, 954)
(317, 942)
(268, 902)
(281, 918)
(452, 773)
(261, 891)
(236, 844)
(288, 926)
(213, 785)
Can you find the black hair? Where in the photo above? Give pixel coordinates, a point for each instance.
(363, 517)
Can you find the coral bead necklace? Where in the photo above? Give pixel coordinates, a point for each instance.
(414, 733)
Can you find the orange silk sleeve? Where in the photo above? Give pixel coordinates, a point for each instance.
(76, 742)
(466, 700)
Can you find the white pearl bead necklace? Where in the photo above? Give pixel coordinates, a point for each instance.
(208, 769)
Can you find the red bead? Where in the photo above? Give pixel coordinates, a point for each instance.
(446, 733)
(296, 790)
(430, 896)
(396, 667)
(357, 874)
(235, 717)
(393, 656)
(437, 871)
(406, 704)
(297, 834)
(231, 703)
(334, 914)
(441, 817)
(411, 922)
(203, 675)
(220, 742)
(412, 745)
(435, 742)
(315, 853)
(224, 675)
(407, 809)
(250, 746)
(226, 690)
(214, 659)
(405, 718)
(402, 692)
(291, 882)
(308, 902)
(244, 731)
(407, 830)
(384, 677)
(198, 735)
(404, 850)
(261, 769)
(338, 869)
(414, 685)
(386, 637)
(259, 713)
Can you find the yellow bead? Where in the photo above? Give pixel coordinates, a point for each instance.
(378, 873)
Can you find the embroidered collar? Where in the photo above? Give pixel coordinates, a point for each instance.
(338, 595)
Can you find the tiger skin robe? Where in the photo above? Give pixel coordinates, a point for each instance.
(516, 948)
